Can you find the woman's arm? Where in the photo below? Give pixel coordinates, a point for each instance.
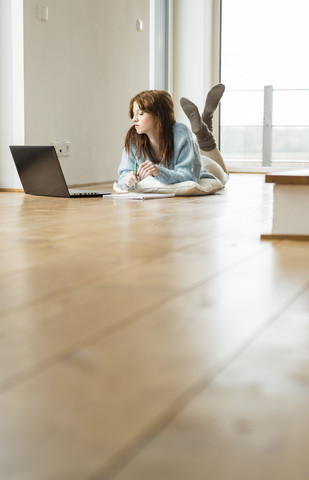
(126, 170)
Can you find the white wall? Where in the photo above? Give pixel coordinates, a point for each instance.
(82, 67)
(195, 51)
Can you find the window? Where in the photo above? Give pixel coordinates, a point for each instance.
(265, 112)
(160, 13)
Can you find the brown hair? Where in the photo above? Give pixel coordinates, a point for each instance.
(158, 103)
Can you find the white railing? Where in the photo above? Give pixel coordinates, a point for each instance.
(266, 119)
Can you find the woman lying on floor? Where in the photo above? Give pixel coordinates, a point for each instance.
(159, 146)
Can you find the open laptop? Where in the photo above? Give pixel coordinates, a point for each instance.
(40, 172)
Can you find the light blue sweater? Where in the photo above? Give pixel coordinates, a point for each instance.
(186, 163)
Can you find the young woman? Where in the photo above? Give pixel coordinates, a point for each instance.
(157, 145)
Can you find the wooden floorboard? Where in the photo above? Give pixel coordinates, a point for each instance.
(118, 318)
(250, 422)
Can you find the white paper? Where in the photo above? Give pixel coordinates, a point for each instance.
(139, 196)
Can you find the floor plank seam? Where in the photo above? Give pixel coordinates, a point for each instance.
(177, 250)
(57, 293)
(16, 380)
(119, 460)
(69, 289)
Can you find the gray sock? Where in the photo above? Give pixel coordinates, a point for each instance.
(204, 136)
(212, 101)
(192, 113)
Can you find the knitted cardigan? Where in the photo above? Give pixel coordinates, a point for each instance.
(186, 162)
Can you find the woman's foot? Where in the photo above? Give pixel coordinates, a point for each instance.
(192, 113)
(204, 136)
(212, 101)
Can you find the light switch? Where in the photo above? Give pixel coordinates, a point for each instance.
(139, 25)
(43, 13)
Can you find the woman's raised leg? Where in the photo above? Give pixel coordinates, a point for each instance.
(202, 125)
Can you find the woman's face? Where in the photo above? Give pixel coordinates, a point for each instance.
(144, 122)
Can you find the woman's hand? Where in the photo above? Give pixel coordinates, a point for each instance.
(147, 168)
(130, 179)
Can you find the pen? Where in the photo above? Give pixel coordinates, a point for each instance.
(135, 171)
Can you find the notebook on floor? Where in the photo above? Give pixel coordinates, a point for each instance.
(139, 196)
(40, 172)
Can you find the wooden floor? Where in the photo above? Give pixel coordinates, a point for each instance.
(155, 340)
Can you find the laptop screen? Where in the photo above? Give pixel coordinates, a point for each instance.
(39, 170)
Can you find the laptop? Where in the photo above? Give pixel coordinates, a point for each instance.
(40, 172)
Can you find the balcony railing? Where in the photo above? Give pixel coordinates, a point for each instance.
(265, 127)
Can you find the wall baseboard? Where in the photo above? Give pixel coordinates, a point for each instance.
(79, 185)
(284, 236)
(94, 184)
(20, 190)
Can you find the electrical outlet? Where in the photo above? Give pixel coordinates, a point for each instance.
(63, 148)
